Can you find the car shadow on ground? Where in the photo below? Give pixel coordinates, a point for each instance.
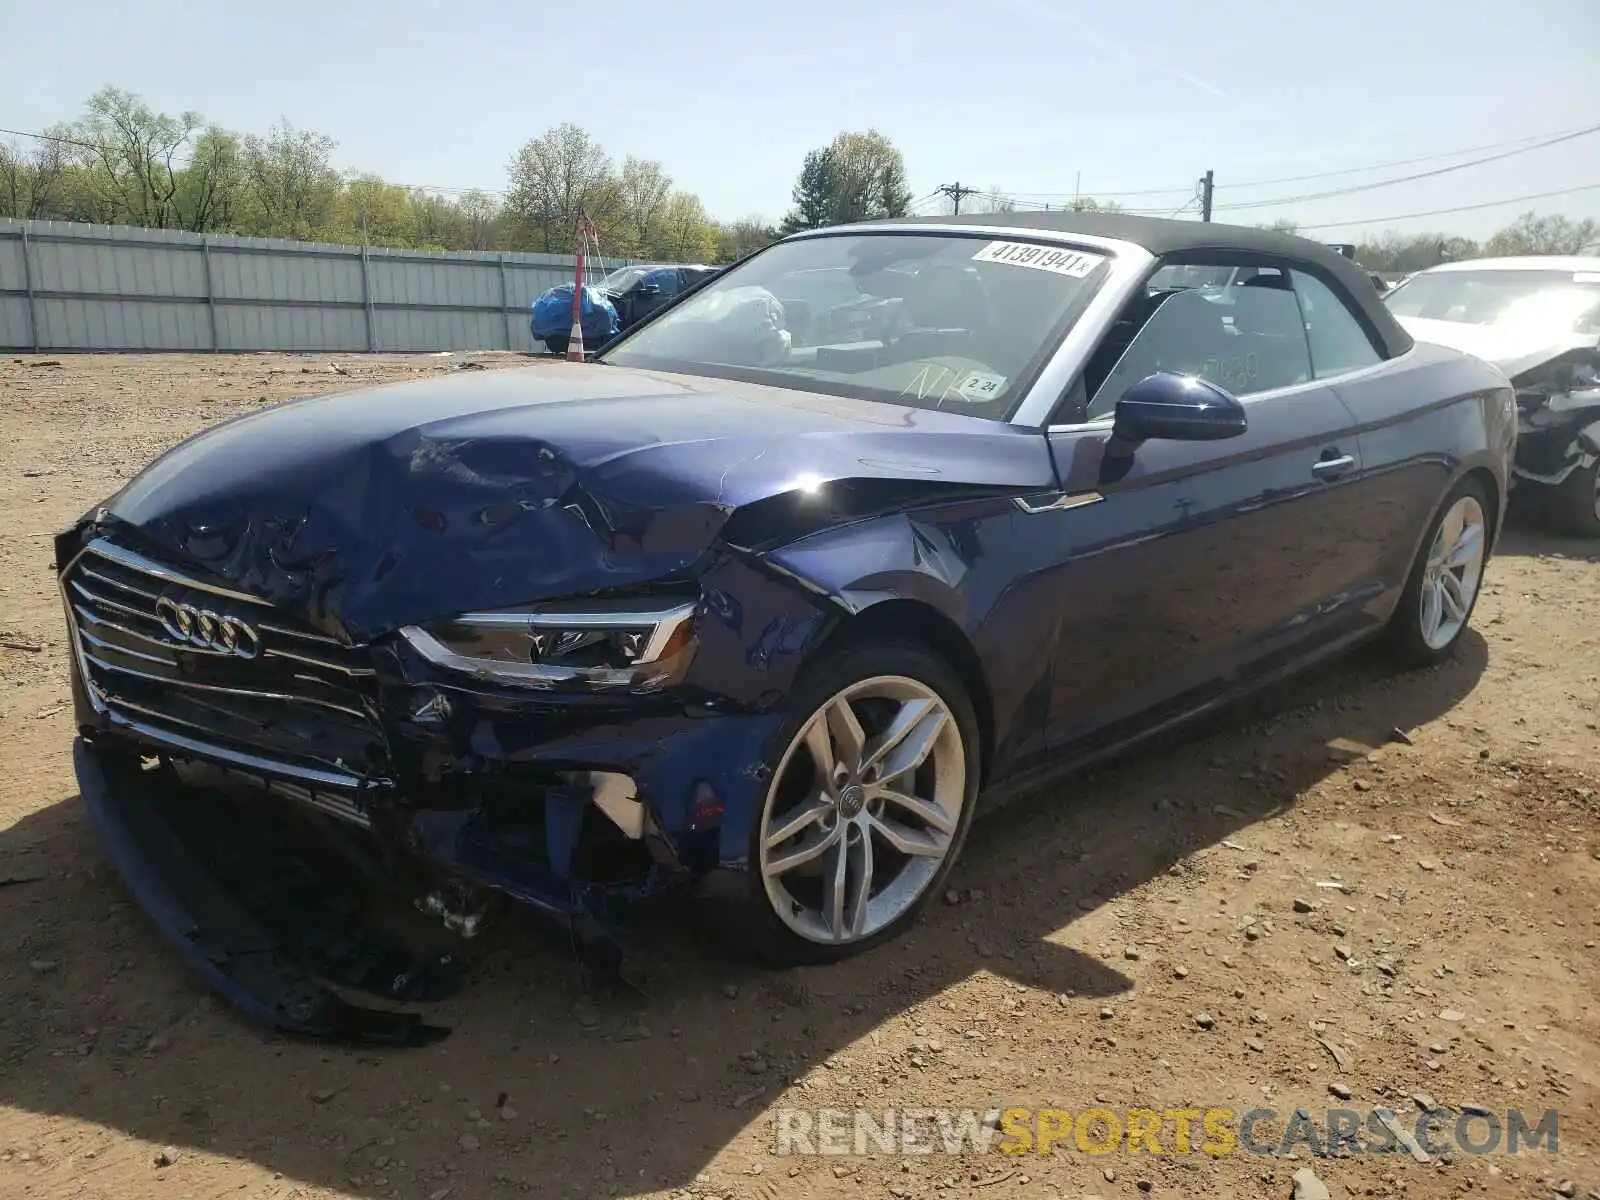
(1524, 536)
(615, 1093)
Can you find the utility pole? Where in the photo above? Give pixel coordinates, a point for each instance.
(1205, 196)
(956, 193)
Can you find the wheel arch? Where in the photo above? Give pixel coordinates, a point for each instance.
(899, 617)
(1496, 493)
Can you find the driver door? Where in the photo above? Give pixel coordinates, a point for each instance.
(1187, 566)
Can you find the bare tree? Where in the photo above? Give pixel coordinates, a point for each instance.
(481, 215)
(132, 153)
(644, 187)
(556, 176)
(29, 178)
(1531, 234)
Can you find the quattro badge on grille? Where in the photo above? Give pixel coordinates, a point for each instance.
(208, 630)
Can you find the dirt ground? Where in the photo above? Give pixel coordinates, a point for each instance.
(1132, 939)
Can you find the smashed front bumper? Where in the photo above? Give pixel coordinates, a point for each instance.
(242, 956)
(1553, 442)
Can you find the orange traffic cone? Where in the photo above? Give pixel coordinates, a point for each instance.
(575, 343)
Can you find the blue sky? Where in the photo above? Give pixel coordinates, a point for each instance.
(1026, 95)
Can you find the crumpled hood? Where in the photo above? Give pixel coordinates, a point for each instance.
(1513, 349)
(368, 510)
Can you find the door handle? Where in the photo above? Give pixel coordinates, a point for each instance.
(1332, 468)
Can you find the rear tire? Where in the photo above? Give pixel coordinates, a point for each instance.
(556, 345)
(1445, 580)
(901, 840)
(1573, 507)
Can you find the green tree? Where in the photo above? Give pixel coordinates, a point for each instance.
(685, 232)
(372, 212)
(735, 239)
(211, 186)
(814, 192)
(290, 184)
(856, 177)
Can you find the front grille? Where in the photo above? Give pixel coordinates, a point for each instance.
(250, 688)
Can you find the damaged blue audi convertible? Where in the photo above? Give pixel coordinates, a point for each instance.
(759, 602)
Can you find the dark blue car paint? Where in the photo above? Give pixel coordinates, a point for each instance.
(368, 511)
(793, 515)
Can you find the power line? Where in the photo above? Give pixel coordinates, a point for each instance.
(1441, 212)
(1367, 187)
(51, 137)
(1409, 162)
(1379, 166)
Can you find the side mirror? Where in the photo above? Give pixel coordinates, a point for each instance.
(649, 289)
(1179, 408)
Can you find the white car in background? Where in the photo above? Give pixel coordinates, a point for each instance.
(1538, 320)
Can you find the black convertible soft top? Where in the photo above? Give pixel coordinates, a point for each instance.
(1179, 241)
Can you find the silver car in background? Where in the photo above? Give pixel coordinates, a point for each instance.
(1538, 320)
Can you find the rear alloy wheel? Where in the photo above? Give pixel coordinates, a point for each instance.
(1574, 506)
(867, 807)
(1439, 598)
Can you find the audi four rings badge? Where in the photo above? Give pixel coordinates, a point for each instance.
(208, 630)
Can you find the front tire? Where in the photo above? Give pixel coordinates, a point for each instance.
(1445, 579)
(1573, 507)
(868, 803)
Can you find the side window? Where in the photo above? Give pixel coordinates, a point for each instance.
(666, 279)
(1338, 341)
(1246, 339)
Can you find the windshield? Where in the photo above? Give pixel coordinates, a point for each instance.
(925, 320)
(621, 280)
(1565, 301)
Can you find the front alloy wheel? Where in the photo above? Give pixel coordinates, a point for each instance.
(880, 773)
(867, 805)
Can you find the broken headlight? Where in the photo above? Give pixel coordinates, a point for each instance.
(1570, 380)
(602, 644)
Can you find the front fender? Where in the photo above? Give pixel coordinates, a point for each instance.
(980, 574)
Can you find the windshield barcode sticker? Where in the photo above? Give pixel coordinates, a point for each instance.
(1074, 263)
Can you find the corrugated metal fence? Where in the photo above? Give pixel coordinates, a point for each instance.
(66, 286)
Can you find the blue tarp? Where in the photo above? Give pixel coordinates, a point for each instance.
(552, 316)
